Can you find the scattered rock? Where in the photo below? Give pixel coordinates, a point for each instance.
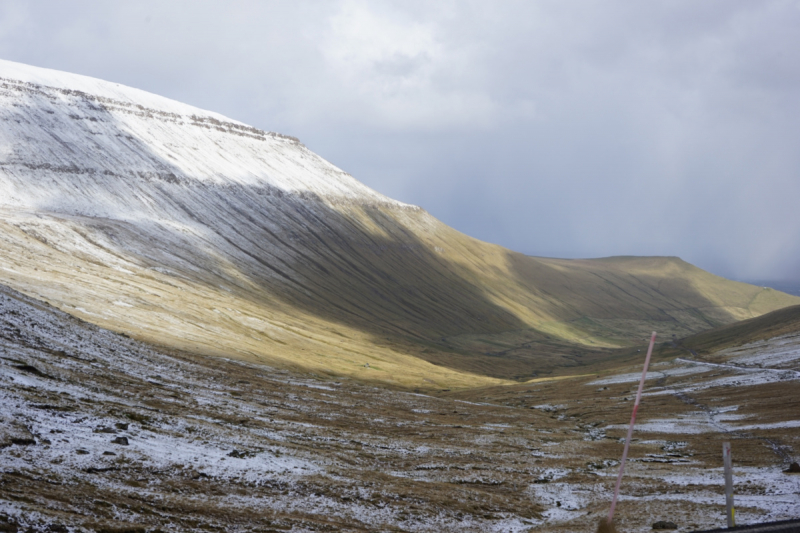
(30, 369)
(81, 451)
(109, 453)
(665, 524)
(104, 429)
(120, 440)
(121, 426)
(794, 468)
(93, 470)
(51, 407)
(14, 433)
(237, 454)
(123, 529)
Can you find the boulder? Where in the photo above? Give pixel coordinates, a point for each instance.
(14, 433)
(665, 524)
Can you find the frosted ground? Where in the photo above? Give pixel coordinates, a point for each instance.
(215, 444)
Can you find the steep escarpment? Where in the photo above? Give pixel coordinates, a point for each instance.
(193, 230)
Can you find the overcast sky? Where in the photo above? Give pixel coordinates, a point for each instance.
(569, 129)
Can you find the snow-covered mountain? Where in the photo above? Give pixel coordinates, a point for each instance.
(76, 145)
(189, 229)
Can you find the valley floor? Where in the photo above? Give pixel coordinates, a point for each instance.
(100, 432)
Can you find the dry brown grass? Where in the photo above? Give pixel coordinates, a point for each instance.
(538, 455)
(606, 527)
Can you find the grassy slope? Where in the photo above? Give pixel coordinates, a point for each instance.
(710, 345)
(575, 311)
(767, 326)
(421, 303)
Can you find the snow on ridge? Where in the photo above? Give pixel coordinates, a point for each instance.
(77, 145)
(56, 79)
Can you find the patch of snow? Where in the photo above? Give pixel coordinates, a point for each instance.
(634, 377)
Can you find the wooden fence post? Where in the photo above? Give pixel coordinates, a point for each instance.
(729, 510)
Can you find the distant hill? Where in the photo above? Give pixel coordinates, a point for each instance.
(787, 286)
(770, 325)
(188, 229)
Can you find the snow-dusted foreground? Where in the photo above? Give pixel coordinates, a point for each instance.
(748, 395)
(763, 371)
(100, 431)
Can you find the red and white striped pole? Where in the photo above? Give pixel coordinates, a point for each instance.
(630, 428)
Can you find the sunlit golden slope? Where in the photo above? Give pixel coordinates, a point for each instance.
(182, 228)
(398, 304)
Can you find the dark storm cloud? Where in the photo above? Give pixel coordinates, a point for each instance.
(554, 128)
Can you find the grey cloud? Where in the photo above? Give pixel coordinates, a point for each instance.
(554, 128)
